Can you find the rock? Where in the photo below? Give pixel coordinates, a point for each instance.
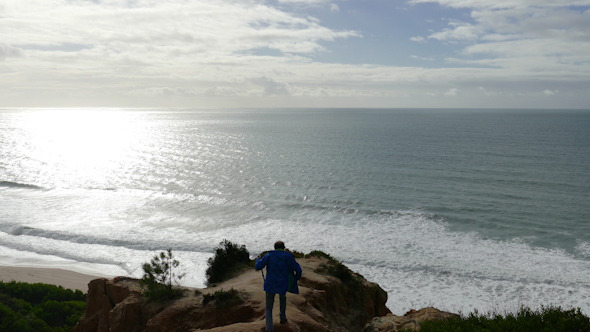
(325, 303)
(98, 306)
(126, 314)
(103, 296)
(409, 321)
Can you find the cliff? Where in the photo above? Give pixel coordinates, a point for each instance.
(327, 302)
(410, 321)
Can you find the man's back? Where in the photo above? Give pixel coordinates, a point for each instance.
(281, 268)
(280, 265)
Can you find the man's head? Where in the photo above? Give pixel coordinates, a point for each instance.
(279, 245)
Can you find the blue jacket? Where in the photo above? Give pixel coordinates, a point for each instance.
(280, 267)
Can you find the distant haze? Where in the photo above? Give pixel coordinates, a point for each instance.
(295, 53)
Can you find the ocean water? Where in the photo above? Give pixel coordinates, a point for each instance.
(457, 209)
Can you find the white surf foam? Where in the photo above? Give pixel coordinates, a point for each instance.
(417, 259)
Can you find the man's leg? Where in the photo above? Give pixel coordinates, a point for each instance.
(270, 301)
(283, 308)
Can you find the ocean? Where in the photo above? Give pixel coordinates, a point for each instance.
(459, 209)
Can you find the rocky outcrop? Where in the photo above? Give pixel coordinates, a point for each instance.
(326, 303)
(410, 321)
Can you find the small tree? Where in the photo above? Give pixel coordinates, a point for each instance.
(158, 276)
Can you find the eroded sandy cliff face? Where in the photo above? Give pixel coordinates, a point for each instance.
(325, 303)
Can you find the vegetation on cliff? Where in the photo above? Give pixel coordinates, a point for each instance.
(554, 319)
(159, 275)
(334, 267)
(229, 259)
(39, 307)
(332, 298)
(222, 298)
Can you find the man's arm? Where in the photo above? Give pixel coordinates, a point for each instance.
(261, 262)
(297, 268)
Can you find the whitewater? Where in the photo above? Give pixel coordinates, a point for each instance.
(457, 209)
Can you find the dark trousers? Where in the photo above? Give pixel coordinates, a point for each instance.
(270, 301)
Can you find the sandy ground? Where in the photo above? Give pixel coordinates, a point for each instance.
(64, 278)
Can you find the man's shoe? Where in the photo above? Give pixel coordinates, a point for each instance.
(283, 320)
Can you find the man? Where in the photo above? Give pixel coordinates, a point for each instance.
(281, 267)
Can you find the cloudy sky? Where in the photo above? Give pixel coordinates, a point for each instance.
(295, 53)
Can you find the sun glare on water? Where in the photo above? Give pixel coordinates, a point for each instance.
(82, 145)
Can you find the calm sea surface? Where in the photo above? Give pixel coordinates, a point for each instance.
(458, 209)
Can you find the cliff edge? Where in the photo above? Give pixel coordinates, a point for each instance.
(327, 301)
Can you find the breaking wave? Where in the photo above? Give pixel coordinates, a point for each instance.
(10, 184)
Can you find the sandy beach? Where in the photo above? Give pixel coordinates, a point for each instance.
(59, 277)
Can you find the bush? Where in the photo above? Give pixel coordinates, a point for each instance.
(340, 271)
(228, 260)
(297, 254)
(334, 267)
(39, 293)
(320, 254)
(525, 320)
(39, 307)
(223, 299)
(60, 313)
(158, 276)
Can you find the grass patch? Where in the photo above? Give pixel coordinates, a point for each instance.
(544, 319)
(229, 259)
(223, 299)
(320, 254)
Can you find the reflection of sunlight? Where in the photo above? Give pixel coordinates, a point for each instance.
(82, 145)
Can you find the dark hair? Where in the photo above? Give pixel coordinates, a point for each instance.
(279, 245)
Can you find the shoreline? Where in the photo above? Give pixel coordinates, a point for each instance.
(53, 276)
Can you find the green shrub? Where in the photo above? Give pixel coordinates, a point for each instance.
(340, 271)
(158, 276)
(15, 304)
(39, 293)
(525, 320)
(223, 299)
(334, 267)
(320, 254)
(228, 260)
(297, 254)
(39, 307)
(60, 313)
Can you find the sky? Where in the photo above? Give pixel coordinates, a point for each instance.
(295, 53)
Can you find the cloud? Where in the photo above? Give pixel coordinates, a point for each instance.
(548, 92)
(164, 91)
(307, 2)
(145, 45)
(422, 58)
(7, 51)
(502, 4)
(271, 87)
(312, 4)
(459, 31)
(167, 28)
(511, 20)
(148, 52)
(540, 37)
(452, 92)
